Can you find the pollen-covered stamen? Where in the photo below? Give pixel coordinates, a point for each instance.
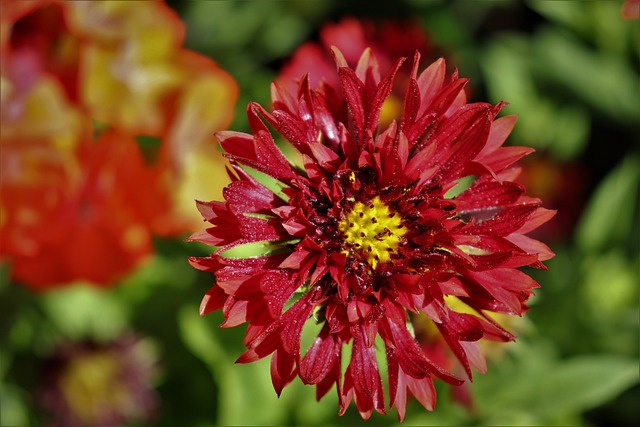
(373, 230)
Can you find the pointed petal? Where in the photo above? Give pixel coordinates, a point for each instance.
(410, 356)
(423, 390)
(500, 130)
(368, 67)
(321, 357)
(500, 221)
(475, 356)
(213, 300)
(367, 383)
(509, 286)
(333, 377)
(430, 82)
(503, 157)
(353, 88)
(397, 385)
(292, 322)
(537, 218)
(338, 57)
(282, 370)
(382, 92)
(258, 151)
(531, 246)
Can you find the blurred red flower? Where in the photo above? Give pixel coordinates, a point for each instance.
(562, 185)
(374, 222)
(387, 39)
(630, 9)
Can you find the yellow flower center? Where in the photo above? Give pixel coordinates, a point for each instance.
(373, 230)
(90, 384)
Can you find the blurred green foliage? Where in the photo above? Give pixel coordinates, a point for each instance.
(570, 70)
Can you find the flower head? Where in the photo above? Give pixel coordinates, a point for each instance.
(375, 226)
(90, 383)
(630, 9)
(84, 84)
(388, 40)
(85, 214)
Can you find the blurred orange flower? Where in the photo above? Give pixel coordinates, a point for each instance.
(82, 84)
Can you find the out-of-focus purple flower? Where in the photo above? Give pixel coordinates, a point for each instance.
(100, 384)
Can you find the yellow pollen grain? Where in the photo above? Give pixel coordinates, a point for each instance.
(373, 231)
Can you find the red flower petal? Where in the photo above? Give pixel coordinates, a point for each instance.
(509, 286)
(410, 356)
(213, 300)
(500, 130)
(282, 370)
(497, 221)
(366, 380)
(260, 152)
(423, 390)
(353, 88)
(320, 359)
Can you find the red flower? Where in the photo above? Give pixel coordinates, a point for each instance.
(387, 39)
(630, 9)
(375, 223)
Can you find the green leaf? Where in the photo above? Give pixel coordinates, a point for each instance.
(81, 310)
(283, 34)
(14, 411)
(570, 132)
(582, 383)
(266, 29)
(157, 274)
(534, 387)
(604, 80)
(507, 73)
(244, 386)
(608, 219)
(610, 286)
(509, 77)
(596, 21)
(543, 121)
(570, 14)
